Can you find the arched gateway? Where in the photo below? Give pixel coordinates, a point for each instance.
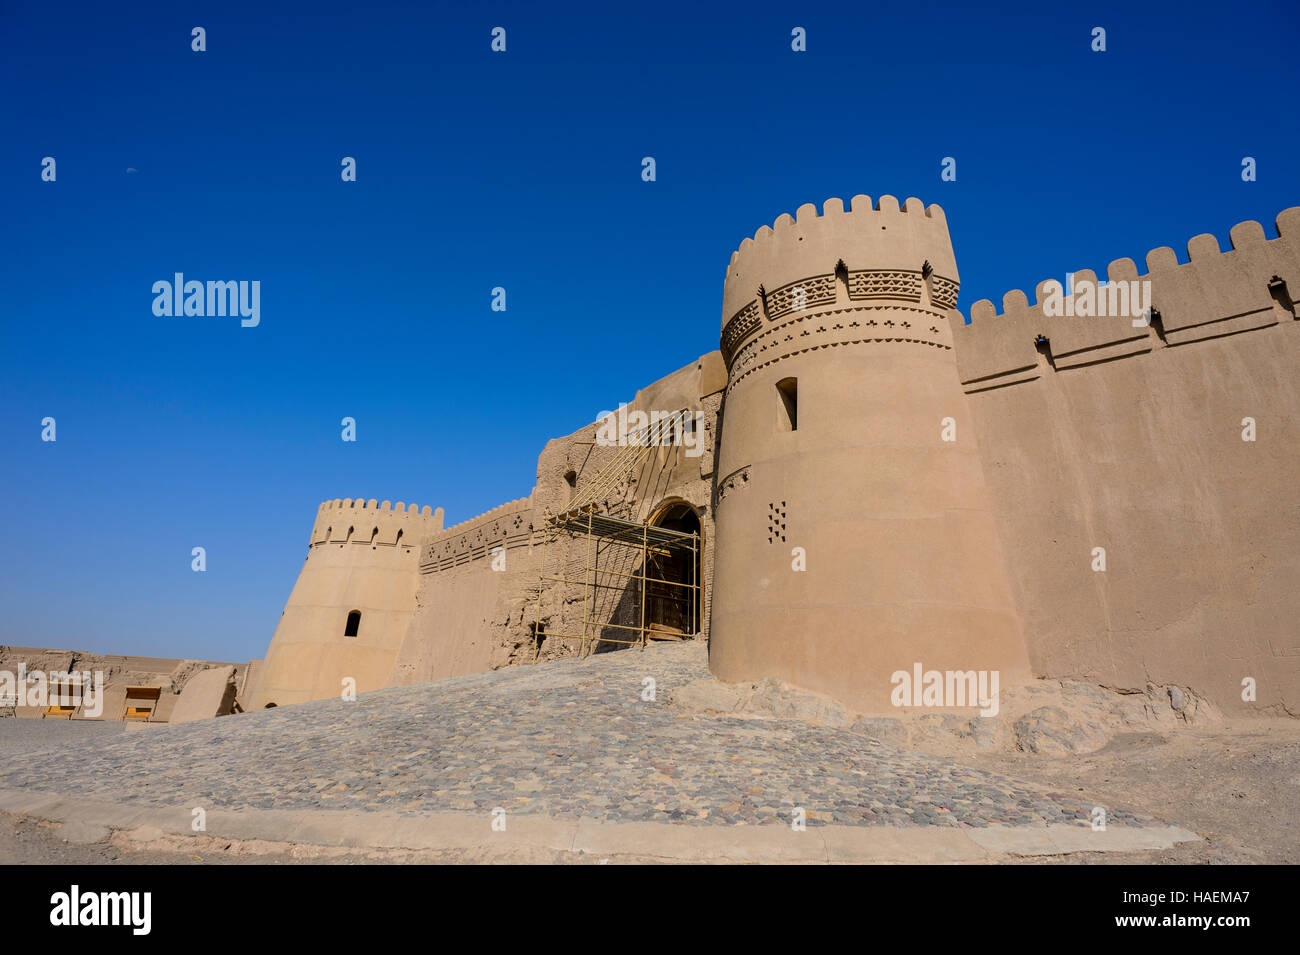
(673, 575)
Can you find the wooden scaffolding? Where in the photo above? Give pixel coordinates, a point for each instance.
(623, 566)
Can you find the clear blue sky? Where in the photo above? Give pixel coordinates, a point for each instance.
(519, 170)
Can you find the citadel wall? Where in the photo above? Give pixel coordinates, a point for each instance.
(464, 606)
(945, 487)
(1095, 433)
(837, 333)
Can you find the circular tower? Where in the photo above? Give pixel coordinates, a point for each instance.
(855, 537)
(352, 604)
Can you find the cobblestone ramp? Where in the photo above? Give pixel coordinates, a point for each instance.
(566, 739)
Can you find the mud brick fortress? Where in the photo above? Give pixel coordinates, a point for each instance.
(875, 483)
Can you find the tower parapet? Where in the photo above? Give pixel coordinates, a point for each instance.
(865, 257)
(354, 520)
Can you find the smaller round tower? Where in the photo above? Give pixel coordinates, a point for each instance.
(352, 604)
(855, 536)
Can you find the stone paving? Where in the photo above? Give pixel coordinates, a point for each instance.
(20, 735)
(564, 739)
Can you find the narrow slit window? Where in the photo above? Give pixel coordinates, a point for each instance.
(354, 624)
(787, 390)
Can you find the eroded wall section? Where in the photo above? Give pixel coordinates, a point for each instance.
(478, 600)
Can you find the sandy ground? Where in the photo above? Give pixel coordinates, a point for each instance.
(26, 841)
(1239, 789)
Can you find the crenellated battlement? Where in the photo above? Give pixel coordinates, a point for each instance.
(506, 525)
(1214, 293)
(349, 520)
(518, 504)
(860, 207)
(871, 255)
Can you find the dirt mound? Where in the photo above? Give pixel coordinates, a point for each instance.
(1043, 718)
